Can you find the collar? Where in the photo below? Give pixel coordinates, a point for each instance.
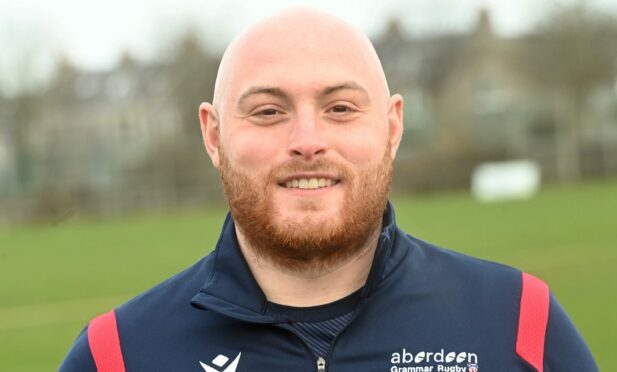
(231, 289)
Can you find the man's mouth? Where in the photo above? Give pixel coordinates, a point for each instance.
(309, 183)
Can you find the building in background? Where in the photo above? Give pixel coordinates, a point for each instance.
(472, 98)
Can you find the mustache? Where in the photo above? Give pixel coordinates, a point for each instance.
(312, 166)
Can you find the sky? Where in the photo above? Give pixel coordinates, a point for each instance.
(93, 34)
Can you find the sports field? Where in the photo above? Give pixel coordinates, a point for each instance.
(54, 278)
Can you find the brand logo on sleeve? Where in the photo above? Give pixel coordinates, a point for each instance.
(220, 361)
(434, 361)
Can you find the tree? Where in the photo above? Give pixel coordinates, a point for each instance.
(180, 162)
(24, 73)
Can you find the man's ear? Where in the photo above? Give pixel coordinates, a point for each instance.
(395, 122)
(210, 131)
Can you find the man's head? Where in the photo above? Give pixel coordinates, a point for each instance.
(303, 132)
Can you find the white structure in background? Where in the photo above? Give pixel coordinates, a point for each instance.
(507, 180)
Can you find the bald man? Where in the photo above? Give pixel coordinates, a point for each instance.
(310, 272)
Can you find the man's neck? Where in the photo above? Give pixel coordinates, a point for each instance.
(302, 289)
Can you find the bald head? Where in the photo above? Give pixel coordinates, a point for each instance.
(299, 43)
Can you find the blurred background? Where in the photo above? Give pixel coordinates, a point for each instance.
(509, 152)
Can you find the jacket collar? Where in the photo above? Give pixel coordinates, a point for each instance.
(232, 290)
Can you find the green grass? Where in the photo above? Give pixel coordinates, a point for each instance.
(55, 278)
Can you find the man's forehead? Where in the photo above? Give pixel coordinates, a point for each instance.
(315, 52)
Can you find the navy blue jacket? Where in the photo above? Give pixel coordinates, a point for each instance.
(423, 308)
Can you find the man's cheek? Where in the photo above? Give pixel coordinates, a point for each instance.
(255, 154)
(361, 153)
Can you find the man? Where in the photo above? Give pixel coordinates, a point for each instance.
(310, 272)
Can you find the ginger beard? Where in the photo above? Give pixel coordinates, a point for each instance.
(302, 244)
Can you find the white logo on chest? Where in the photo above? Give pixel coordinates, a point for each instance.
(220, 361)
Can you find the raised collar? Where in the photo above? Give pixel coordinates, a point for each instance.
(232, 290)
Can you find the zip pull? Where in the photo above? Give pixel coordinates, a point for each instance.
(321, 364)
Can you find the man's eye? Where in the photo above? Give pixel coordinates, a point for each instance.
(267, 112)
(340, 109)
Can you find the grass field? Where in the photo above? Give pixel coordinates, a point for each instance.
(55, 278)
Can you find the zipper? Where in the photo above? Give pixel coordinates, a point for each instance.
(358, 309)
(332, 344)
(321, 360)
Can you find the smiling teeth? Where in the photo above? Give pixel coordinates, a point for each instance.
(309, 183)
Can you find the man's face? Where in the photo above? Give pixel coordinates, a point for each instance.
(305, 149)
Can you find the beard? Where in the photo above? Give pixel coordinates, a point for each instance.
(301, 243)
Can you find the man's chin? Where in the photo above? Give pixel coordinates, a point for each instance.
(288, 204)
(308, 212)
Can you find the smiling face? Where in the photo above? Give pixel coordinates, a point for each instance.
(304, 133)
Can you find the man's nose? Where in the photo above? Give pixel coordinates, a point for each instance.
(308, 137)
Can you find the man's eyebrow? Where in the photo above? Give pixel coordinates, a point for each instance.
(272, 91)
(282, 94)
(347, 85)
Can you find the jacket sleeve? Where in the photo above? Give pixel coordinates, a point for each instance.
(79, 357)
(565, 350)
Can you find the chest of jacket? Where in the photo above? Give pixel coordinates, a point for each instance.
(400, 327)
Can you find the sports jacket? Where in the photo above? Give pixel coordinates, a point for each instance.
(422, 309)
